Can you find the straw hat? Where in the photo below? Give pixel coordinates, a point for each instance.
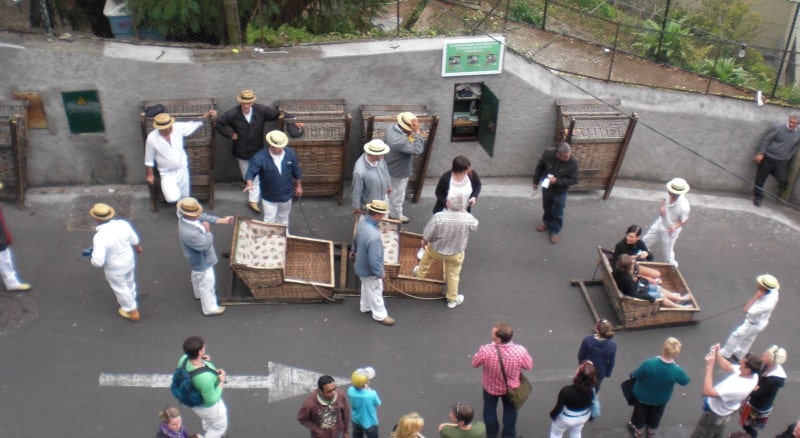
(768, 282)
(677, 186)
(405, 120)
(246, 96)
(189, 207)
(163, 121)
(102, 212)
(277, 139)
(378, 206)
(376, 147)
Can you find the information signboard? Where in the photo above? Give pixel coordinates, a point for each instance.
(473, 56)
(84, 113)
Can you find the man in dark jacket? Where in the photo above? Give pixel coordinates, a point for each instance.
(556, 171)
(244, 124)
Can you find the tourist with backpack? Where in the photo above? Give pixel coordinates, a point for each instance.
(197, 383)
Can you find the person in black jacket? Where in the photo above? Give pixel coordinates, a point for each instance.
(573, 407)
(638, 287)
(244, 124)
(556, 172)
(758, 406)
(462, 178)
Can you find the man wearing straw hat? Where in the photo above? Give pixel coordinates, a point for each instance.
(277, 171)
(757, 312)
(405, 140)
(244, 125)
(113, 245)
(164, 147)
(370, 176)
(368, 254)
(673, 214)
(197, 241)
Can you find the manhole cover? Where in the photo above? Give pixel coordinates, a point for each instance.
(16, 311)
(79, 219)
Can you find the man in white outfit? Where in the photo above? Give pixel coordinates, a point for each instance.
(7, 270)
(164, 148)
(113, 247)
(757, 312)
(673, 214)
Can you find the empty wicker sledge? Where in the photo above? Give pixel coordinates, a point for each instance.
(280, 268)
(599, 135)
(399, 259)
(200, 148)
(635, 313)
(14, 150)
(376, 119)
(322, 147)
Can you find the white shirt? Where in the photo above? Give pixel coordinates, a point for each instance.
(732, 391)
(248, 116)
(113, 246)
(170, 157)
(463, 188)
(761, 310)
(676, 212)
(278, 159)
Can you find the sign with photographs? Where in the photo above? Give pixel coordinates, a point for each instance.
(473, 56)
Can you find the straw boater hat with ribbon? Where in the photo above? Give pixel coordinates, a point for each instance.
(277, 139)
(163, 121)
(376, 147)
(189, 207)
(405, 120)
(677, 186)
(378, 206)
(246, 96)
(102, 212)
(768, 282)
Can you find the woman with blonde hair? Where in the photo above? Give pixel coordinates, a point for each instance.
(409, 426)
(172, 425)
(757, 407)
(599, 349)
(655, 379)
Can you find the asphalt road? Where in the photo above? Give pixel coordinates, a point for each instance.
(58, 339)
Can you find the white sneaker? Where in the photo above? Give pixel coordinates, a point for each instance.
(456, 303)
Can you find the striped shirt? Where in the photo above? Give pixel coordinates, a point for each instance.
(448, 231)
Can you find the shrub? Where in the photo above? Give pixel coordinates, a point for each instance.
(674, 44)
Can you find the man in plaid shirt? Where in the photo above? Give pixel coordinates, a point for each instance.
(515, 359)
(445, 238)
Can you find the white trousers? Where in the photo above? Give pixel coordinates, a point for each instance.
(277, 212)
(203, 283)
(214, 419)
(7, 270)
(175, 184)
(658, 232)
(372, 297)
(255, 194)
(397, 197)
(568, 425)
(742, 339)
(124, 286)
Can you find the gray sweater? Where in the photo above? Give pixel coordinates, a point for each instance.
(198, 247)
(780, 143)
(402, 150)
(369, 183)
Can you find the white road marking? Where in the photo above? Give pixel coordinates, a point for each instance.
(283, 381)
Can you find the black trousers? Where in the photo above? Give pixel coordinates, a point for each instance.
(779, 169)
(647, 415)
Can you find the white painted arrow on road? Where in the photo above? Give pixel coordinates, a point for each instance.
(283, 381)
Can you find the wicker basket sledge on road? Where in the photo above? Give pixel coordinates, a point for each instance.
(14, 150)
(277, 267)
(635, 313)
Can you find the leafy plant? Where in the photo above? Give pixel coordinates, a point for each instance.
(284, 35)
(521, 10)
(725, 69)
(670, 48)
(180, 17)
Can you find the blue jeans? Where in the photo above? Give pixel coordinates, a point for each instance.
(653, 291)
(553, 205)
(490, 416)
(360, 432)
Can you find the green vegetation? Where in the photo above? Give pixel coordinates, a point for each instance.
(724, 69)
(670, 47)
(524, 12)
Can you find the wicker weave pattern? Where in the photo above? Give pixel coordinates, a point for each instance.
(12, 159)
(316, 108)
(634, 312)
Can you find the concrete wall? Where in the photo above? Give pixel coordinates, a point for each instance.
(724, 130)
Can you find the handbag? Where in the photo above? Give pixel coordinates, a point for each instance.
(595, 404)
(515, 396)
(627, 390)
